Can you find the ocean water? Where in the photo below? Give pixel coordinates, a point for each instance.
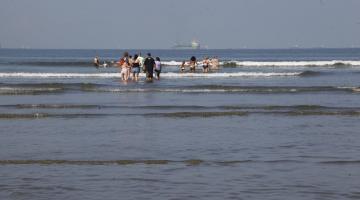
(269, 124)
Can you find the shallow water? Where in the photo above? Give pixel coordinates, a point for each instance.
(69, 130)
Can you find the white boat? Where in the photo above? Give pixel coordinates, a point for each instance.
(193, 45)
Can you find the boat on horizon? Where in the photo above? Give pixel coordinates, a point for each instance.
(193, 45)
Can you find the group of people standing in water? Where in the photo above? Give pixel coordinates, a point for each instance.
(131, 66)
(207, 64)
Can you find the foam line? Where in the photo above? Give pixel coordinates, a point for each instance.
(278, 63)
(168, 75)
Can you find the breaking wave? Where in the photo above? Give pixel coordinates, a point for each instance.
(229, 63)
(54, 88)
(333, 63)
(182, 107)
(207, 113)
(29, 91)
(310, 73)
(48, 63)
(166, 75)
(225, 89)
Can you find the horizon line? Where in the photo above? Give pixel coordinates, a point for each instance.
(125, 49)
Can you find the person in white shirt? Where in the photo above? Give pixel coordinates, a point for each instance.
(96, 61)
(141, 61)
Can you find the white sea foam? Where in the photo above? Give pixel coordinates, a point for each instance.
(167, 75)
(167, 90)
(59, 75)
(234, 74)
(171, 63)
(24, 89)
(298, 63)
(354, 89)
(279, 63)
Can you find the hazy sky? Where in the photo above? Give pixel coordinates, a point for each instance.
(161, 23)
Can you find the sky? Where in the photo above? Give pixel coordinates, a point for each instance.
(159, 24)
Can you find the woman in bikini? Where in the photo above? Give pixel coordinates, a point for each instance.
(157, 67)
(182, 66)
(193, 64)
(124, 65)
(206, 64)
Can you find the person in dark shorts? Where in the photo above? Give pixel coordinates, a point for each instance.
(157, 67)
(149, 64)
(135, 68)
(206, 64)
(193, 64)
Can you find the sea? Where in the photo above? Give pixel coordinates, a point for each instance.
(268, 124)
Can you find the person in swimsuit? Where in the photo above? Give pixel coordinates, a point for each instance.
(124, 64)
(130, 59)
(182, 66)
(193, 64)
(214, 63)
(135, 68)
(206, 64)
(157, 67)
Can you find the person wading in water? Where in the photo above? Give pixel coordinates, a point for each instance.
(149, 64)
